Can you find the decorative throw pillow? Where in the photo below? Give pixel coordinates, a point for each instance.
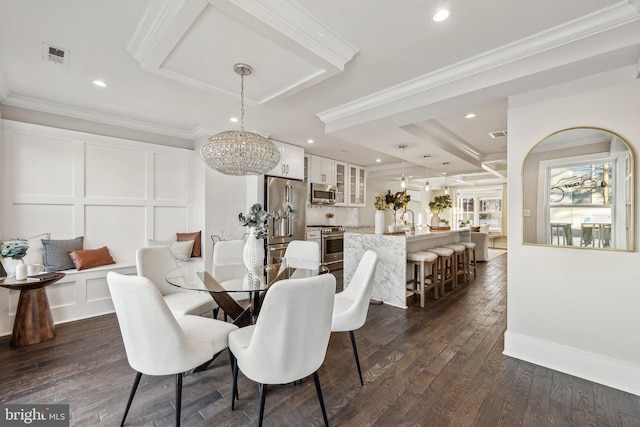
(475, 228)
(55, 253)
(34, 253)
(90, 258)
(180, 250)
(195, 236)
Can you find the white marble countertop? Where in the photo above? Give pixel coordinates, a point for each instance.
(420, 234)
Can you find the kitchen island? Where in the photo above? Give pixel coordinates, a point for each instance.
(391, 272)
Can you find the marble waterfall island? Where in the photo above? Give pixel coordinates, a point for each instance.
(391, 272)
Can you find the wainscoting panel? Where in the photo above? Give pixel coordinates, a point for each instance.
(170, 178)
(115, 173)
(120, 228)
(116, 193)
(166, 220)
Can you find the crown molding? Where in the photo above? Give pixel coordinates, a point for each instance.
(109, 119)
(166, 22)
(598, 22)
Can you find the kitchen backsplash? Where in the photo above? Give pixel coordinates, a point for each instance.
(317, 215)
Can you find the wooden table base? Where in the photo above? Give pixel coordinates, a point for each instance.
(33, 322)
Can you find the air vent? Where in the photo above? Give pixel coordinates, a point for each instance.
(55, 54)
(498, 134)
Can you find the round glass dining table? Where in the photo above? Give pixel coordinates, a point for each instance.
(193, 277)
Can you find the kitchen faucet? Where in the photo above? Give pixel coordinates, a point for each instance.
(413, 224)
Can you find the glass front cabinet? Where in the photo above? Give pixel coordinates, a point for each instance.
(342, 184)
(357, 185)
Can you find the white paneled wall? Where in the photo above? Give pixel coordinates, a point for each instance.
(116, 193)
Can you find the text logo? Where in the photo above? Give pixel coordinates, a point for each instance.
(34, 415)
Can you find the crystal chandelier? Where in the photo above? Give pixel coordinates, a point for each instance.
(240, 152)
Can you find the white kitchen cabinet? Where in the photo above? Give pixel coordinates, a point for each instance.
(357, 185)
(342, 184)
(323, 170)
(291, 163)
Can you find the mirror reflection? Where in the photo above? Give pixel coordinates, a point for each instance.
(578, 191)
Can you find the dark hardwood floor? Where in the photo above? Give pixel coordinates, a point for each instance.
(437, 366)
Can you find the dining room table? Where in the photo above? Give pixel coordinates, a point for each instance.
(193, 277)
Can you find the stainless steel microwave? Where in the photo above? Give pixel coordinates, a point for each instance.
(323, 194)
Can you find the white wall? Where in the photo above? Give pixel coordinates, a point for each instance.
(116, 193)
(573, 310)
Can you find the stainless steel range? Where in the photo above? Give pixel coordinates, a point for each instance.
(331, 244)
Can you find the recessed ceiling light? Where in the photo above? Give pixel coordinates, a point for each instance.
(309, 141)
(470, 116)
(99, 83)
(441, 15)
(378, 160)
(233, 120)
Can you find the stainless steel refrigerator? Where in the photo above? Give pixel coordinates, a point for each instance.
(279, 191)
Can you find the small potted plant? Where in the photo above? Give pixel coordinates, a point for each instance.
(437, 206)
(381, 206)
(396, 202)
(16, 250)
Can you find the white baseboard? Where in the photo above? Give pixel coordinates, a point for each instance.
(593, 367)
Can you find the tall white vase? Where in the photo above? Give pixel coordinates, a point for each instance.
(379, 222)
(253, 253)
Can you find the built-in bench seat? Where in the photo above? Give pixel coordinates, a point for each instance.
(79, 295)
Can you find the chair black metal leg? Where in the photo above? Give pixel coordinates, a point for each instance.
(316, 380)
(215, 312)
(178, 398)
(234, 372)
(355, 353)
(133, 393)
(263, 397)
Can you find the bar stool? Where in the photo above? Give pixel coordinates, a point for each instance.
(471, 253)
(460, 264)
(444, 267)
(421, 261)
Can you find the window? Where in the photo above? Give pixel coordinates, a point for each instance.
(480, 206)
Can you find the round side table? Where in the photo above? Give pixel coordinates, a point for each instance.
(33, 322)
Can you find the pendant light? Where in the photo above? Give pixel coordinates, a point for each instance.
(240, 152)
(427, 186)
(446, 187)
(403, 181)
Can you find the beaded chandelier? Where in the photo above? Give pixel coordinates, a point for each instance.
(240, 152)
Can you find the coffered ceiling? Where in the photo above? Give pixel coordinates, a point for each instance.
(359, 77)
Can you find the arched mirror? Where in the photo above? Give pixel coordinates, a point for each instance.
(578, 191)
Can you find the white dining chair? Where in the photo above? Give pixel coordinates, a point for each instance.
(158, 343)
(303, 251)
(352, 305)
(290, 338)
(154, 263)
(228, 267)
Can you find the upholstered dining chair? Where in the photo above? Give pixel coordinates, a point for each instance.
(228, 267)
(156, 342)
(290, 338)
(302, 250)
(352, 305)
(154, 263)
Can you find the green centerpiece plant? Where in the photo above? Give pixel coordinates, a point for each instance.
(398, 201)
(437, 206)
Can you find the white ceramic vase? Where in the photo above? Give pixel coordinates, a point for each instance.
(379, 222)
(21, 270)
(435, 219)
(253, 253)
